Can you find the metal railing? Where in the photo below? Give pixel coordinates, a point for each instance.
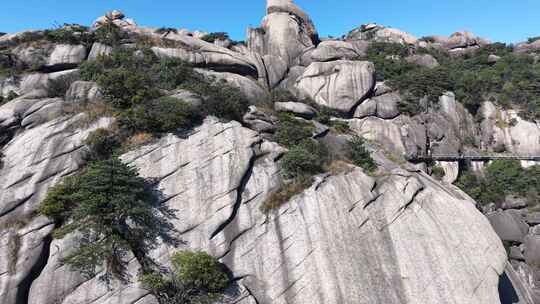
(474, 157)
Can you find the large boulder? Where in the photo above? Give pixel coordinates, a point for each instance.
(286, 32)
(330, 50)
(425, 60)
(297, 108)
(208, 55)
(66, 56)
(385, 106)
(339, 85)
(509, 225)
(250, 88)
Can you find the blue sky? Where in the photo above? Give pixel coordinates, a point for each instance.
(499, 20)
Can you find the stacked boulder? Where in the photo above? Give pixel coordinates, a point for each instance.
(519, 228)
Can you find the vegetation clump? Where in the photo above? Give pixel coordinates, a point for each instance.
(514, 80)
(359, 155)
(211, 37)
(114, 211)
(70, 34)
(195, 277)
(58, 87)
(134, 82)
(502, 178)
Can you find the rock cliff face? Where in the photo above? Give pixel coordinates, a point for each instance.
(397, 236)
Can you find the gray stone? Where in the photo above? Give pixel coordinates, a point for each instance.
(381, 88)
(250, 88)
(513, 202)
(451, 171)
(493, 58)
(260, 121)
(375, 32)
(337, 50)
(532, 250)
(509, 225)
(516, 254)
(533, 218)
(187, 96)
(289, 83)
(286, 31)
(276, 69)
(298, 108)
(339, 85)
(425, 60)
(83, 92)
(65, 56)
(208, 55)
(383, 106)
(99, 49)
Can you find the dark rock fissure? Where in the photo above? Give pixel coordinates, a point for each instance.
(23, 290)
(240, 190)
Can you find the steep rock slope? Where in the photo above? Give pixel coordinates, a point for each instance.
(349, 238)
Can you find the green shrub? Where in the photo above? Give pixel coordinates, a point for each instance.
(59, 86)
(116, 211)
(166, 114)
(70, 34)
(195, 278)
(533, 39)
(359, 155)
(211, 37)
(110, 34)
(502, 178)
(30, 36)
(102, 143)
(169, 73)
(124, 88)
(219, 98)
(59, 200)
(304, 159)
(200, 270)
(291, 131)
(163, 30)
(437, 172)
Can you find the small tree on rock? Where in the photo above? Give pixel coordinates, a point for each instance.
(115, 211)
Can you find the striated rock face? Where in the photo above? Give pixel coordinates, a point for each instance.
(339, 85)
(208, 55)
(34, 160)
(320, 247)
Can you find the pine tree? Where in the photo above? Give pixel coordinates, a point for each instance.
(116, 212)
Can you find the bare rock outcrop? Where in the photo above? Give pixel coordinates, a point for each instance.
(286, 32)
(339, 85)
(380, 33)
